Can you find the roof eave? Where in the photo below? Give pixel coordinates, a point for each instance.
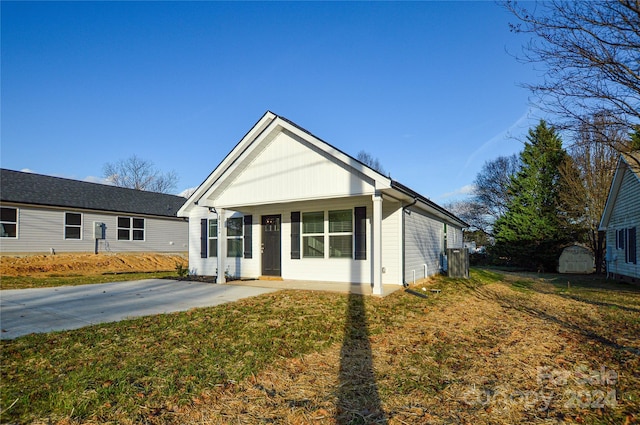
(428, 203)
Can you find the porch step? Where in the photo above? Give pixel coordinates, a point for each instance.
(276, 278)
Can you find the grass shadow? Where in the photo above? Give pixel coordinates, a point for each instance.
(358, 396)
(520, 304)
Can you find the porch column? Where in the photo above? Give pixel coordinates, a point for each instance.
(222, 245)
(376, 241)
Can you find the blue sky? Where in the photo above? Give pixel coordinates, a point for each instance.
(428, 88)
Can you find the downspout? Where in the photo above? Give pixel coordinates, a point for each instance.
(404, 277)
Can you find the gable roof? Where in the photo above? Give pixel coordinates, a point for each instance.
(267, 127)
(37, 189)
(626, 162)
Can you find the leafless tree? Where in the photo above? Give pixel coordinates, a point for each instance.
(140, 174)
(490, 196)
(585, 180)
(367, 159)
(589, 53)
(492, 184)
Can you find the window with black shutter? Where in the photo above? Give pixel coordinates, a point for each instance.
(360, 233)
(248, 221)
(204, 237)
(295, 235)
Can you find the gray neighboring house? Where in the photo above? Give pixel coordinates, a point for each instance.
(41, 214)
(621, 219)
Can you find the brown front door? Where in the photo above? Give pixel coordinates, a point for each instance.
(271, 252)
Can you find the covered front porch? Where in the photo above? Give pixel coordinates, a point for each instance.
(333, 241)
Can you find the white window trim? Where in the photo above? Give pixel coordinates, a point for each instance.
(235, 237)
(326, 235)
(329, 234)
(211, 238)
(65, 225)
(17, 223)
(325, 225)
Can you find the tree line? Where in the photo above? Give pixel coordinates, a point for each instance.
(528, 207)
(533, 204)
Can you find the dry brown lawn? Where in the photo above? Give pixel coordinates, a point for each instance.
(494, 349)
(508, 352)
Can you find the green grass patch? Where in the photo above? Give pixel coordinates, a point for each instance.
(486, 276)
(24, 282)
(523, 286)
(161, 361)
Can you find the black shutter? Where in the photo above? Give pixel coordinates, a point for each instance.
(204, 237)
(295, 235)
(248, 220)
(360, 233)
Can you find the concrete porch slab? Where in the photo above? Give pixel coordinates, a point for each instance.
(309, 285)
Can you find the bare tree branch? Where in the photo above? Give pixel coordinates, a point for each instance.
(368, 160)
(140, 174)
(589, 53)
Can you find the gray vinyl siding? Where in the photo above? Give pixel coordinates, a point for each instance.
(41, 229)
(423, 245)
(454, 237)
(625, 214)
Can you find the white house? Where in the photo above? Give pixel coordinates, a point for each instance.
(40, 214)
(285, 203)
(621, 219)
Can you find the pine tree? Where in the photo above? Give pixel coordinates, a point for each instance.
(531, 233)
(635, 139)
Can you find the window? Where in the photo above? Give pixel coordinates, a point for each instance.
(234, 237)
(72, 225)
(313, 234)
(130, 229)
(213, 237)
(340, 234)
(8, 222)
(620, 238)
(630, 248)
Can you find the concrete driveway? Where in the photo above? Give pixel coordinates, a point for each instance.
(38, 310)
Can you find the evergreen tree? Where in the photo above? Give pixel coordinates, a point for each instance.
(531, 232)
(635, 139)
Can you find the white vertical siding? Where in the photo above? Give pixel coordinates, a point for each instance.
(424, 239)
(41, 229)
(625, 214)
(288, 170)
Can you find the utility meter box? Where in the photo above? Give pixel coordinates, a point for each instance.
(98, 230)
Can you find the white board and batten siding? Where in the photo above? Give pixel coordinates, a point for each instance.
(625, 214)
(286, 169)
(42, 229)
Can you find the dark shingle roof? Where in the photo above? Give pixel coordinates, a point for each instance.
(37, 189)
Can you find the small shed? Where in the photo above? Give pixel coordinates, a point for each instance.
(576, 259)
